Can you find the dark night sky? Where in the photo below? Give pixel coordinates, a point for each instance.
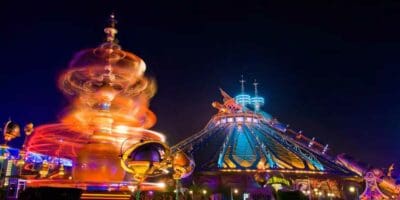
(329, 69)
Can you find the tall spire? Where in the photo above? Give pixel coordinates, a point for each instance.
(255, 88)
(243, 99)
(242, 81)
(111, 31)
(256, 100)
(110, 50)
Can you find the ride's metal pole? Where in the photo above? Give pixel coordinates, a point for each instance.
(177, 189)
(357, 192)
(309, 189)
(138, 194)
(138, 190)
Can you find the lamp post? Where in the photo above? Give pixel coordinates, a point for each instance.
(234, 192)
(353, 189)
(330, 195)
(317, 193)
(204, 192)
(191, 193)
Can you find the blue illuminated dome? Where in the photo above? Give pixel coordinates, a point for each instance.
(254, 142)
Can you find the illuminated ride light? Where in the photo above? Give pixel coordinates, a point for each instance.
(243, 99)
(273, 170)
(33, 157)
(239, 119)
(257, 100)
(105, 186)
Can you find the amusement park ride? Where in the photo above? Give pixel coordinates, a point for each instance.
(103, 141)
(103, 147)
(244, 147)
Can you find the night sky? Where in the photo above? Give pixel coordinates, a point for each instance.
(329, 69)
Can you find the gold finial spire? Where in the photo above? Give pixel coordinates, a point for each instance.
(111, 31)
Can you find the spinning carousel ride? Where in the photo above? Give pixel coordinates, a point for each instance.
(105, 130)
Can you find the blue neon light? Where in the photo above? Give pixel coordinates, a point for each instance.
(39, 158)
(257, 100)
(243, 99)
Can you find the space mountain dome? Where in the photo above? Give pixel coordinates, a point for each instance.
(243, 137)
(244, 147)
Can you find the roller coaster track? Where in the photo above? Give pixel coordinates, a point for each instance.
(184, 144)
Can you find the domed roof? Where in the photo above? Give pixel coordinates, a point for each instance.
(244, 140)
